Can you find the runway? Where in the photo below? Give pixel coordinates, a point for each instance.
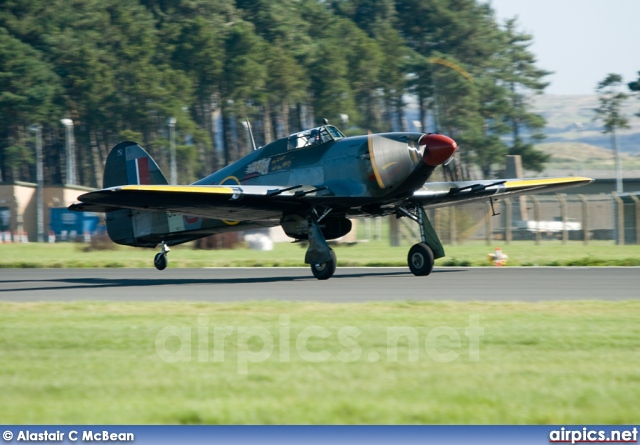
(297, 284)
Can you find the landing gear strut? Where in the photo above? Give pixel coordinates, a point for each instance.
(319, 255)
(160, 260)
(422, 255)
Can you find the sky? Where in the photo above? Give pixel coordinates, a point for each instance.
(581, 41)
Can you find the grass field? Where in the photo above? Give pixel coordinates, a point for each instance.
(549, 363)
(374, 253)
(108, 363)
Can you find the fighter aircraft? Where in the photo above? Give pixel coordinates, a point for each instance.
(311, 183)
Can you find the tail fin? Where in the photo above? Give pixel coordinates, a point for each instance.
(129, 164)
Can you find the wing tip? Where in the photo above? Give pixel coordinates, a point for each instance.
(565, 181)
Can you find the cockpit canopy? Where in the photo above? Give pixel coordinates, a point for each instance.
(314, 136)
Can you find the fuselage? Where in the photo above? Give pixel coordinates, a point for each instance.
(321, 169)
(346, 166)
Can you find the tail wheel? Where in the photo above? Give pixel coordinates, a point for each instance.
(420, 259)
(160, 261)
(324, 271)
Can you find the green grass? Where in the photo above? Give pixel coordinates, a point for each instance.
(549, 253)
(374, 253)
(549, 363)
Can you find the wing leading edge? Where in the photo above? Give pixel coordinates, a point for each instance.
(435, 194)
(256, 203)
(237, 203)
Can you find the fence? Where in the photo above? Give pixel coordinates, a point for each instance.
(543, 217)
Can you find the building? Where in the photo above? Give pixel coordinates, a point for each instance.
(18, 206)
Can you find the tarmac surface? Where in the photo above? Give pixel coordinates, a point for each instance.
(298, 284)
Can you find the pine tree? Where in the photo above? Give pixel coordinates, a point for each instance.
(609, 112)
(523, 79)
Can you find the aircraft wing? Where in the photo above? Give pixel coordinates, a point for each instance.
(436, 194)
(264, 203)
(228, 202)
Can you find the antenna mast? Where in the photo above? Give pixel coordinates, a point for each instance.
(253, 142)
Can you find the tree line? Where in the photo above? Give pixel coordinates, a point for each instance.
(121, 69)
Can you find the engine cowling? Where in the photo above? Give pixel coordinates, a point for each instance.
(395, 158)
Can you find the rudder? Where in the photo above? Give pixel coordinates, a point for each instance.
(130, 164)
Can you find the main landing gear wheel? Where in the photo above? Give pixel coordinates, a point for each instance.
(324, 271)
(160, 261)
(420, 259)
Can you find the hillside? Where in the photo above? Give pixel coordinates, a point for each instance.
(577, 158)
(562, 112)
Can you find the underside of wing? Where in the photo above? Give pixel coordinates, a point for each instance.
(237, 203)
(436, 194)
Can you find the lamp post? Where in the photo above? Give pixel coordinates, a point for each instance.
(616, 153)
(37, 129)
(172, 150)
(578, 127)
(70, 151)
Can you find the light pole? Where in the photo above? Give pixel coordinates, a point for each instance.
(37, 129)
(578, 126)
(172, 150)
(70, 151)
(616, 153)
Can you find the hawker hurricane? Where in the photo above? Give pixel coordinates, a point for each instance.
(311, 183)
